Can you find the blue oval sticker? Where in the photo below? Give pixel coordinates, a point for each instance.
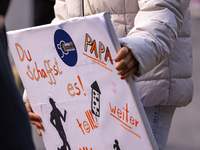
(65, 47)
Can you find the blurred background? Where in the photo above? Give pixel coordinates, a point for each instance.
(185, 129)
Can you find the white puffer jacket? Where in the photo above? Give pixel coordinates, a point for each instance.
(158, 33)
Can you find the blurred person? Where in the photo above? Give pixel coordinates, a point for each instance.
(195, 8)
(15, 128)
(43, 11)
(43, 14)
(156, 51)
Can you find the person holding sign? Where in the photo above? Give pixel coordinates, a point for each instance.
(156, 51)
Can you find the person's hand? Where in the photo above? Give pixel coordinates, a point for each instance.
(127, 64)
(34, 119)
(2, 21)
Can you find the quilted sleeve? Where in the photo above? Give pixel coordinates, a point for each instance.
(60, 10)
(158, 24)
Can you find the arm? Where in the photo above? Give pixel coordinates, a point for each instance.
(61, 116)
(64, 117)
(60, 11)
(157, 26)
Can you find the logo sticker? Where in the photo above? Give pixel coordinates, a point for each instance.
(65, 47)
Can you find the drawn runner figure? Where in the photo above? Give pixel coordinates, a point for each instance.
(55, 120)
(116, 145)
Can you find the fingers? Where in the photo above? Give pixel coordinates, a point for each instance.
(127, 60)
(129, 69)
(34, 118)
(121, 54)
(28, 107)
(129, 72)
(32, 115)
(38, 130)
(36, 121)
(127, 64)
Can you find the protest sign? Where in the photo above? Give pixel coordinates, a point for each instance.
(68, 71)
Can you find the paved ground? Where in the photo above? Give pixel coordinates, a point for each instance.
(185, 129)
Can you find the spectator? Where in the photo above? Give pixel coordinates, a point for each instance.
(156, 50)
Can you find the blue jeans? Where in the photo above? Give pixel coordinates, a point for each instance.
(160, 118)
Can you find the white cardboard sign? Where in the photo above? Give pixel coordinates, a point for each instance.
(69, 74)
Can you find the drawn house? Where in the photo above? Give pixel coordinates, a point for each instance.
(95, 99)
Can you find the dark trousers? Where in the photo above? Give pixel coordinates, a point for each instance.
(15, 129)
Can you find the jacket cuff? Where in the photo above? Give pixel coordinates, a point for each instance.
(134, 44)
(25, 97)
